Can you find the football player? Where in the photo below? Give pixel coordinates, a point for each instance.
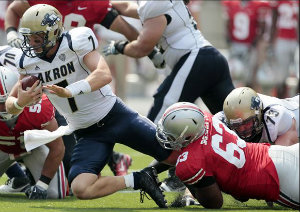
(75, 78)
(284, 40)
(191, 57)
(260, 118)
(245, 29)
(76, 14)
(213, 159)
(44, 162)
(198, 69)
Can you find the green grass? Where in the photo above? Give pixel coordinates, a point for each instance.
(120, 201)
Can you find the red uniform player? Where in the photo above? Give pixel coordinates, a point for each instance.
(213, 158)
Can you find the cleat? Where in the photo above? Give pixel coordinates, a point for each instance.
(120, 164)
(182, 201)
(16, 184)
(149, 183)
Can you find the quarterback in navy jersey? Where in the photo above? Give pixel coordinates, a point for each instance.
(75, 78)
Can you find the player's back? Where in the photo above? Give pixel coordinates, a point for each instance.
(240, 169)
(180, 35)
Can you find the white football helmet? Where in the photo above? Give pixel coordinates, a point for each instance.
(45, 21)
(181, 124)
(8, 78)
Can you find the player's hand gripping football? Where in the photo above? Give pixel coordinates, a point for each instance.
(30, 96)
(59, 91)
(36, 192)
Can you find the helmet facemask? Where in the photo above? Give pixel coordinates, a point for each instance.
(32, 51)
(243, 110)
(247, 129)
(42, 22)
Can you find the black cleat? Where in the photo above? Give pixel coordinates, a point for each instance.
(149, 183)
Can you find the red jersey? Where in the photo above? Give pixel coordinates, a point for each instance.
(78, 13)
(33, 117)
(244, 18)
(287, 18)
(240, 169)
(3, 7)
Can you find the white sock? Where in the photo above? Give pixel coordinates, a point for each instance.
(129, 181)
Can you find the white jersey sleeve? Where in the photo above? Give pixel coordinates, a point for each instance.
(83, 40)
(9, 57)
(278, 120)
(151, 9)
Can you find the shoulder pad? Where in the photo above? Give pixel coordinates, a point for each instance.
(151, 9)
(83, 40)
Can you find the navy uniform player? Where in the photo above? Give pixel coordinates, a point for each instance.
(260, 118)
(198, 69)
(75, 78)
(191, 57)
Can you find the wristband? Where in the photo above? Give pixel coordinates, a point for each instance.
(120, 46)
(45, 179)
(154, 52)
(17, 105)
(9, 29)
(79, 87)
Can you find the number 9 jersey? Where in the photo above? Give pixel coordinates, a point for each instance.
(239, 168)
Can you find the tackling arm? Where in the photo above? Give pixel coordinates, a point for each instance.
(14, 12)
(56, 152)
(207, 192)
(151, 33)
(126, 8)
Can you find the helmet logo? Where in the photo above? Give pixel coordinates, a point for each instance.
(255, 102)
(50, 20)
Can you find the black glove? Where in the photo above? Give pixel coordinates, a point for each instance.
(114, 48)
(157, 58)
(36, 192)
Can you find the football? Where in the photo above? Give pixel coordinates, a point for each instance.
(28, 81)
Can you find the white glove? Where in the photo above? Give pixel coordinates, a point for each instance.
(157, 58)
(13, 39)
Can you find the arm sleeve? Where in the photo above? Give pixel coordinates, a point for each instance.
(83, 40)
(190, 167)
(278, 121)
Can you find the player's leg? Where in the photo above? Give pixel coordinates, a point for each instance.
(88, 159)
(58, 186)
(90, 155)
(286, 161)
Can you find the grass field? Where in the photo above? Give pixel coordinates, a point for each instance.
(120, 201)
